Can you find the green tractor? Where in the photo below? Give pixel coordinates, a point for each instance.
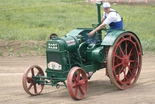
(71, 57)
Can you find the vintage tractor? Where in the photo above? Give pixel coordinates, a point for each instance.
(71, 57)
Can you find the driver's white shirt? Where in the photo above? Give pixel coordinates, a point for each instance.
(111, 17)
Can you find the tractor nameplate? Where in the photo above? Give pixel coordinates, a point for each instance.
(53, 46)
(54, 65)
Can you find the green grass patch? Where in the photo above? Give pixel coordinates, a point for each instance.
(35, 20)
(1, 53)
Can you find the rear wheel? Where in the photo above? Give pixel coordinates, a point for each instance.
(125, 61)
(77, 83)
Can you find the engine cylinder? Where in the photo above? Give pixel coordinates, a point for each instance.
(98, 55)
(71, 43)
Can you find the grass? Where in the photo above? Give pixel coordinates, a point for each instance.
(36, 20)
(1, 53)
(25, 20)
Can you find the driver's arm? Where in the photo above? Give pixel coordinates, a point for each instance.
(97, 29)
(102, 19)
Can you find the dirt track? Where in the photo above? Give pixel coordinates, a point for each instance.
(100, 90)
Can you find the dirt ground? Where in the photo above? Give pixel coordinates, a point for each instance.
(100, 90)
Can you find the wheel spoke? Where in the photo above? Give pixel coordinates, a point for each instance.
(35, 88)
(75, 79)
(117, 65)
(119, 57)
(130, 53)
(126, 48)
(120, 48)
(30, 86)
(32, 71)
(78, 75)
(76, 90)
(81, 90)
(131, 72)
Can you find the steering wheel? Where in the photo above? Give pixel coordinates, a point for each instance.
(96, 25)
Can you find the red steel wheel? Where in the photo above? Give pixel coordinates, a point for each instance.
(125, 61)
(29, 84)
(77, 83)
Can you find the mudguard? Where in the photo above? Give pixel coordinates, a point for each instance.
(111, 37)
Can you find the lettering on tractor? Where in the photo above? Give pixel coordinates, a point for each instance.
(70, 42)
(53, 46)
(71, 58)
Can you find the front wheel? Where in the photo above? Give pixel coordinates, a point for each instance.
(30, 84)
(77, 83)
(125, 61)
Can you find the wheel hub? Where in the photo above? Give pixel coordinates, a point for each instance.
(125, 61)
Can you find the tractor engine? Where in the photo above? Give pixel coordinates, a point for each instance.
(66, 52)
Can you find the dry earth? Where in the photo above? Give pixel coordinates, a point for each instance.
(100, 90)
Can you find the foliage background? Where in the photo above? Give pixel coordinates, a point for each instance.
(35, 20)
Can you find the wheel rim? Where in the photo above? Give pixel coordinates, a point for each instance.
(29, 83)
(125, 61)
(77, 83)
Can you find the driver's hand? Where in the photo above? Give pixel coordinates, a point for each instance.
(91, 33)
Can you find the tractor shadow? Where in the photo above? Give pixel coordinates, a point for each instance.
(100, 87)
(95, 88)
